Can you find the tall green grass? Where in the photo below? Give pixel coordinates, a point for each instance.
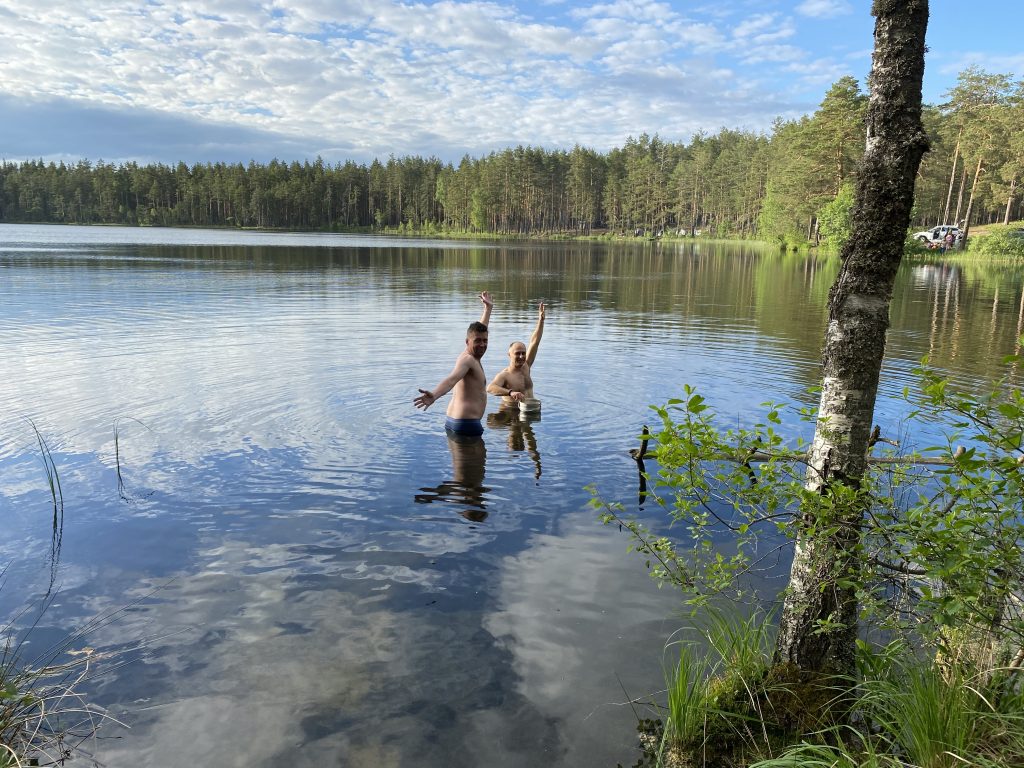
(687, 685)
(715, 688)
(932, 717)
(944, 716)
(848, 748)
(920, 713)
(728, 705)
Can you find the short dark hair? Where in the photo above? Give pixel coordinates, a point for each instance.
(477, 327)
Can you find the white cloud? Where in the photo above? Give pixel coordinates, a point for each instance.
(773, 53)
(821, 9)
(953, 64)
(819, 72)
(754, 25)
(700, 36)
(357, 74)
(763, 29)
(375, 78)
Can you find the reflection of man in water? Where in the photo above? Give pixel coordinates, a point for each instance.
(515, 382)
(466, 381)
(469, 458)
(520, 431)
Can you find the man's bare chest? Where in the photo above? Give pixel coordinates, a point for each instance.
(519, 378)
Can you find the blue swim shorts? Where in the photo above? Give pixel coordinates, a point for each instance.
(467, 427)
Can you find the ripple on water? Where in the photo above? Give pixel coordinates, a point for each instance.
(273, 463)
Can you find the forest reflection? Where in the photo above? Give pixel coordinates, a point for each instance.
(970, 317)
(642, 287)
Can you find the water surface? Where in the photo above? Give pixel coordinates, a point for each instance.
(313, 573)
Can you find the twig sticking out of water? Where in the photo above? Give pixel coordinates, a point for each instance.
(122, 491)
(57, 496)
(638, 456)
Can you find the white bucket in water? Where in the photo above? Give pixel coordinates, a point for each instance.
(529, 405)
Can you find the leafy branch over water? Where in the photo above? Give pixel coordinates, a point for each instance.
(941, 569)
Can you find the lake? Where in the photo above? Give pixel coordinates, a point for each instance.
(301, 568)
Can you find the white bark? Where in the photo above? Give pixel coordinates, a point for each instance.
(818, 625)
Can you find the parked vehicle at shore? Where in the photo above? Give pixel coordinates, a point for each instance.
(938, 234)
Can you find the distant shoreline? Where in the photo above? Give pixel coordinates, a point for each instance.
(601, 235)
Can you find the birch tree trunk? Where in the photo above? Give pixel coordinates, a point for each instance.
(1009, 201)
(818, 625)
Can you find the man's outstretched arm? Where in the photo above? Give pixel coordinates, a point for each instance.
(531, 350)
(428, 397)
(488, 303)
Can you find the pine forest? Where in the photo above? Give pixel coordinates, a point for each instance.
(786, 186)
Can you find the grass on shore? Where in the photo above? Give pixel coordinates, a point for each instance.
(731, 707)
(44, 717)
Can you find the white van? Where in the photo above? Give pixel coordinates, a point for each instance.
(938, 234)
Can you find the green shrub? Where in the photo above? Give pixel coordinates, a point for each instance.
(942, 567)
(834, 218)
(915, 248)
(999, 241)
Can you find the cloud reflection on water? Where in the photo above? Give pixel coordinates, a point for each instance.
(255, 664)
(574, 632)
(316, 614)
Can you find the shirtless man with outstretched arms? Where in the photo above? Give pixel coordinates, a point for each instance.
(466, 381)
(515, 383)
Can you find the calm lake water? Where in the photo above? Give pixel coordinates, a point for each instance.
(305, 571)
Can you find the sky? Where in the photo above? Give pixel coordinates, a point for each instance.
(240, 80)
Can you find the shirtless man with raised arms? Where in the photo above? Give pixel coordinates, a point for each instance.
(466, 381)
(515, 383)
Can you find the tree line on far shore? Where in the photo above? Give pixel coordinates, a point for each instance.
(790, 186)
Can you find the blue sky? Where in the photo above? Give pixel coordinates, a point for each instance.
(240, 80)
